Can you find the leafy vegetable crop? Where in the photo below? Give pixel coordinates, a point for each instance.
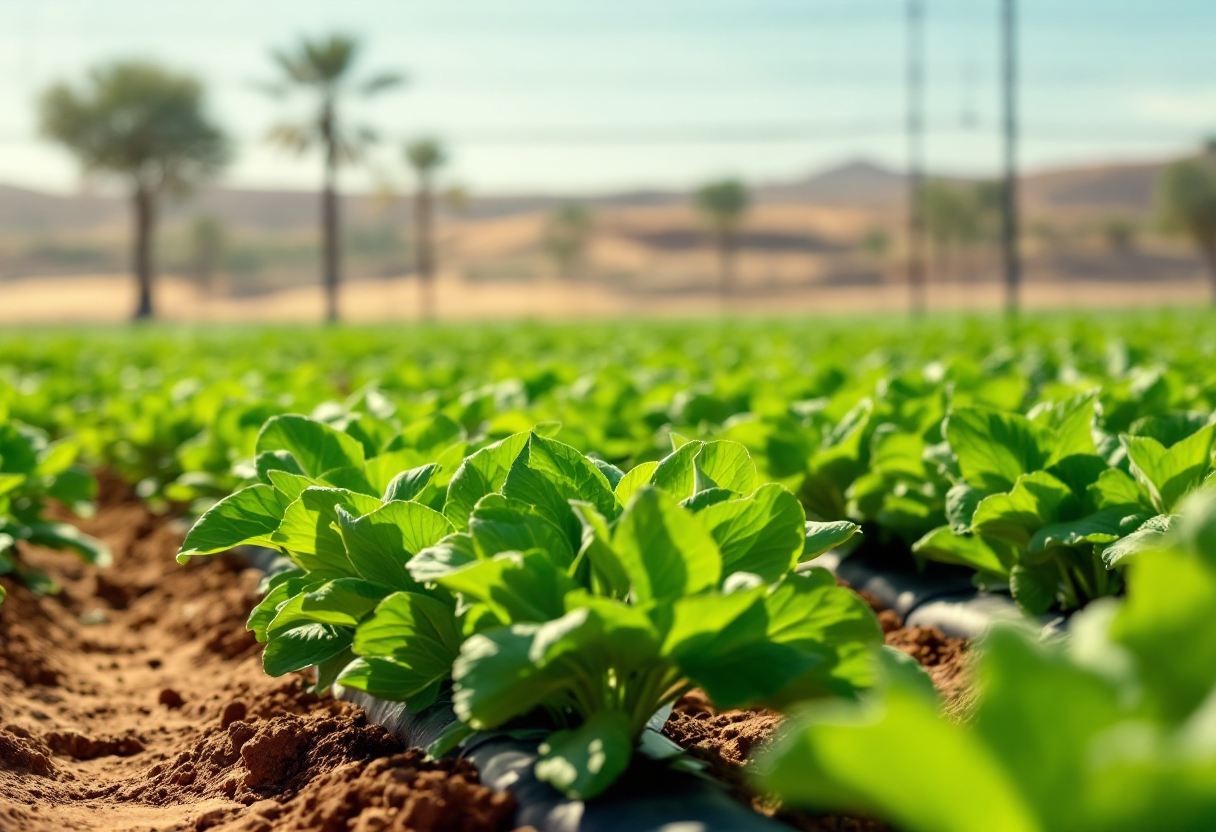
(546, 588)
(33, 469)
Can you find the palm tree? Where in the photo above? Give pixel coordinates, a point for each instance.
(143, 124)
(566, 235)
(425, 156)
(323, 67)
(1187, 197)
(722, 205)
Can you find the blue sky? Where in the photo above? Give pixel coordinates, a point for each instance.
(579, 96)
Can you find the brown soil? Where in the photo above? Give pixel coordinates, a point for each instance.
(135, 700)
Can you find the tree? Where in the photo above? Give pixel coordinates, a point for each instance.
(1187, 197)
(207, 241)
(323, 68)
(145, 125)
(425, 156)
(722, 205)
(566, 236)
(1119, 234)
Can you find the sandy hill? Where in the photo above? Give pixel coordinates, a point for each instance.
(858, 185)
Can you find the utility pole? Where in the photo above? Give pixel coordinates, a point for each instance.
(916, 162)
(1010, 231)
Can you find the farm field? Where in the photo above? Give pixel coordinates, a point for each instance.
(608, 549)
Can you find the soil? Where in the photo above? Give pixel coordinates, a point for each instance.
(726, 739)
(135, 700)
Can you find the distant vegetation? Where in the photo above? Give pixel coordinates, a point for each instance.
(323, 68)
(723, 205)
(1188, 204)
(145, 126)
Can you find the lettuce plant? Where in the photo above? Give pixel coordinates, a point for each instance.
(1110, 730)
(591, 598)
(33, 469)
(347, 510)
(551, 591)
(1037, 505)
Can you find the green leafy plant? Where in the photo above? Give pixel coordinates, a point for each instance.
(591, 598)
(1109, 730)
(1036, 505)
(33, 469)
(553, 590)
(348, 508)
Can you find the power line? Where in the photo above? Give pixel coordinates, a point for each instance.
(916, 150)
(1009, 214)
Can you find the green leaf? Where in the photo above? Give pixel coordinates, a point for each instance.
(1102, 527)
(1171, 428)
(609, 577)
(56, 458)
(409, 484)
(499, 524)
(582, 763)
(329, 670)
(518, 587)
(66, 536)
(983, 554)
(708, 497)
(676, 473)
(74, 487)
(1039, 714)
(19, 448)
(611, 473)
(825, 762)
(303, 646)
(316, 446)
(455, 551)
(1034, 502)
(268, 461)
(961, 502)
(412, 629)
(664, 550)
(309, 530)
(547, 475)
(9, 482)
(1166, 624)
(808, 638)
(994, 448)
(249, 516)
(345, 601)
(1035, 587)
(823, 537)
(1072, 421)
(762, 534)
(351, 479)
(291, 485)
(725, 464)
(380, 544)
(386, 679)
(1169, 474)
(1148, 537)
(261, 617)
(1116, 489)
(496, 680)
(600, 633)
(636, 477)
(431, 433)
(480, 474)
